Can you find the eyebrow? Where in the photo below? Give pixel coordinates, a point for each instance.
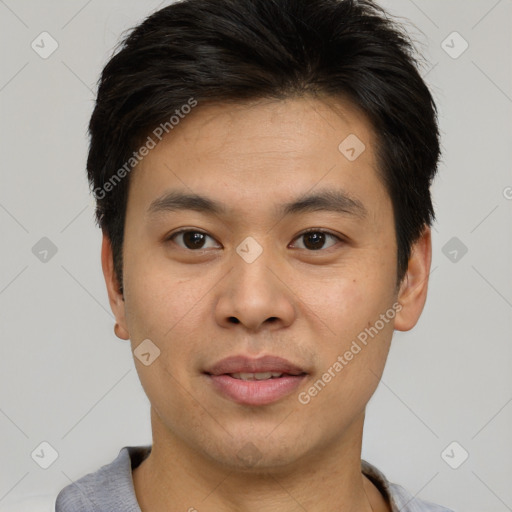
(330, 200)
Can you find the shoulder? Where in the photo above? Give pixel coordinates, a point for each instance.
(399, 498)
(108, 488)
(406, 502)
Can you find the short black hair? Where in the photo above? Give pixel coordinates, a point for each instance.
(212, 51)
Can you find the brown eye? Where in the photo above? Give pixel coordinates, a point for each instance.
(191, 239)
(315, 239)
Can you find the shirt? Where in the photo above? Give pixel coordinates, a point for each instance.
(110, 489)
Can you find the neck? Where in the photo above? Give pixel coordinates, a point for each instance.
(177, 477)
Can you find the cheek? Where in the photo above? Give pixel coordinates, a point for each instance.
(346, 316)
(158, 299)
(340, 306)
(173, 313)
(167, 311)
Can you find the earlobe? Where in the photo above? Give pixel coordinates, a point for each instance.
(115, 295)
(413, 290)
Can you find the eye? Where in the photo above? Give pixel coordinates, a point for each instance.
(191, 239)
(314, 239)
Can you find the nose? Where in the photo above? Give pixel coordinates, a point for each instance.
(255, 295)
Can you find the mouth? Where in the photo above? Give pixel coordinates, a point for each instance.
(259, 381)
(258, 376)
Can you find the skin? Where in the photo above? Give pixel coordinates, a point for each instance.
(304, 305)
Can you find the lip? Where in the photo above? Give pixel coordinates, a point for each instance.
(255, 392)
(244, 364)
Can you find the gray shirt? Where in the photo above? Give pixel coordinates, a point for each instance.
(110, 489)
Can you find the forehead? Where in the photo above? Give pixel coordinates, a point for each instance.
(274, 128)
(263, 151)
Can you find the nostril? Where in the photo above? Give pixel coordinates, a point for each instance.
(234, 320)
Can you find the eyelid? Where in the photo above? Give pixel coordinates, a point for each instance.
(320, 230)
(302, 233)
(186, 230)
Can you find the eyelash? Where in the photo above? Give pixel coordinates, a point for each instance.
(306, 232)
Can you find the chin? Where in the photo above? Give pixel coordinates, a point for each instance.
(257, 455)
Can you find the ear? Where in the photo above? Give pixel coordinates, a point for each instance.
(115, 296)
(413, 289)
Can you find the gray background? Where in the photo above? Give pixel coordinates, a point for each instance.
(67, 380)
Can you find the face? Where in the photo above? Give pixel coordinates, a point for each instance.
(290, 253)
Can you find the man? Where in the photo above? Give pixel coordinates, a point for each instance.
(262, 170)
